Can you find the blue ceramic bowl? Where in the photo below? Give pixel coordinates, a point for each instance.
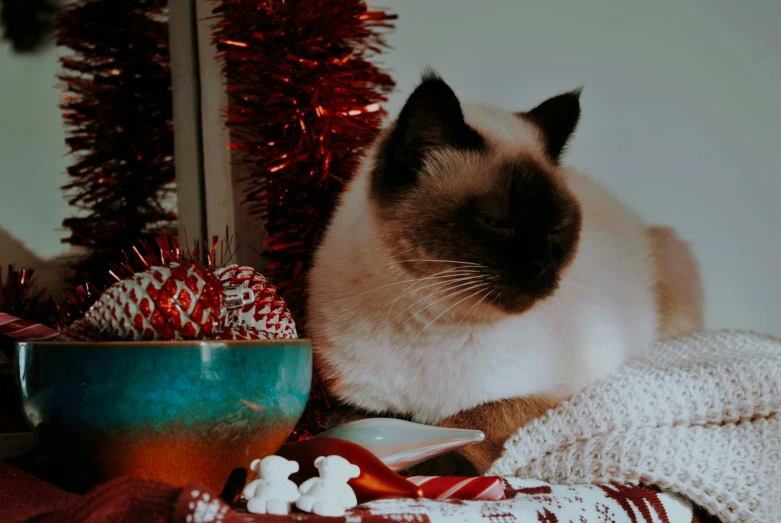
(175, 412)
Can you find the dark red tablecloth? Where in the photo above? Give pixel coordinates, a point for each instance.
(25, 498)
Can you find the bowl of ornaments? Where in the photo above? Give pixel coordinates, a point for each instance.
(176, 374)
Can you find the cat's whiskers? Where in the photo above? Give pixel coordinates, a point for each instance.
(481, 288)
(544, 270)
(590, 291)
(473, 308)
(460, 262)
(461, 279)
(425, 260)
(493, 300)
(469, 286)
(576, 286)
(446, 287)
(442, 274)
(453, 276)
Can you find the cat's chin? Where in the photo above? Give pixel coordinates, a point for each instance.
(511, 301)
(515, 304)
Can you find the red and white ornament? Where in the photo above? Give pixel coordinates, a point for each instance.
(241, 333)
(183, 301)
(180, 301)
(24, 330)
(455, 487)
(268, 313)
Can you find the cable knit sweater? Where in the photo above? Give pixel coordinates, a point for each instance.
(700, 416)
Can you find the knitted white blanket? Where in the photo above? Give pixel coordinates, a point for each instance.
(700, 417)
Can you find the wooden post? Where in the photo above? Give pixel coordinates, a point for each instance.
(215, 136)
(188, 152)
(209, 190)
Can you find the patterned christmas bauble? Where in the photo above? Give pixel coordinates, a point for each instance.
(268, 313)
(241, 333)
(180, 301)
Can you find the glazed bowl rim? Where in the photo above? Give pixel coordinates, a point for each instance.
(163, 344)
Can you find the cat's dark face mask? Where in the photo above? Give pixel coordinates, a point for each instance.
(499, 230)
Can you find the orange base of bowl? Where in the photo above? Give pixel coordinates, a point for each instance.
(179, 458)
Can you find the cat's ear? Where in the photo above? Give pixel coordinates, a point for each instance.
(556, 118)
(430, 119)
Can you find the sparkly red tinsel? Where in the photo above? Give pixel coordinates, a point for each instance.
(118, 108)
(304, 103)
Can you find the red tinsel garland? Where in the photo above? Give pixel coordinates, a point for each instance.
(304, 103)
(119, 110)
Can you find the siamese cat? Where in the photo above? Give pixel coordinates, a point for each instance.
(470, 278)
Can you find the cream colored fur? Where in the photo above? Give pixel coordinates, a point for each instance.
(383, 357)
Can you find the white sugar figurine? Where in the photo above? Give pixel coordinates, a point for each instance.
(329, 495)
(272, 492)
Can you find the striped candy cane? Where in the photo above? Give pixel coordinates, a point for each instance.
(24, 330)
(455, 487)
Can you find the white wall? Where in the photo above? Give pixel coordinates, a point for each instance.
(681, 113)
(33, 156)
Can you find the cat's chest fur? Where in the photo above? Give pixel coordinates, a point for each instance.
(445, 372)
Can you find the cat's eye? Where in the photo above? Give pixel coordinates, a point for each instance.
(490, 221)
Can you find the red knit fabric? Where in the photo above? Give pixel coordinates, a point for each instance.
(24, 498)
(22, 495)
(27, 499)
